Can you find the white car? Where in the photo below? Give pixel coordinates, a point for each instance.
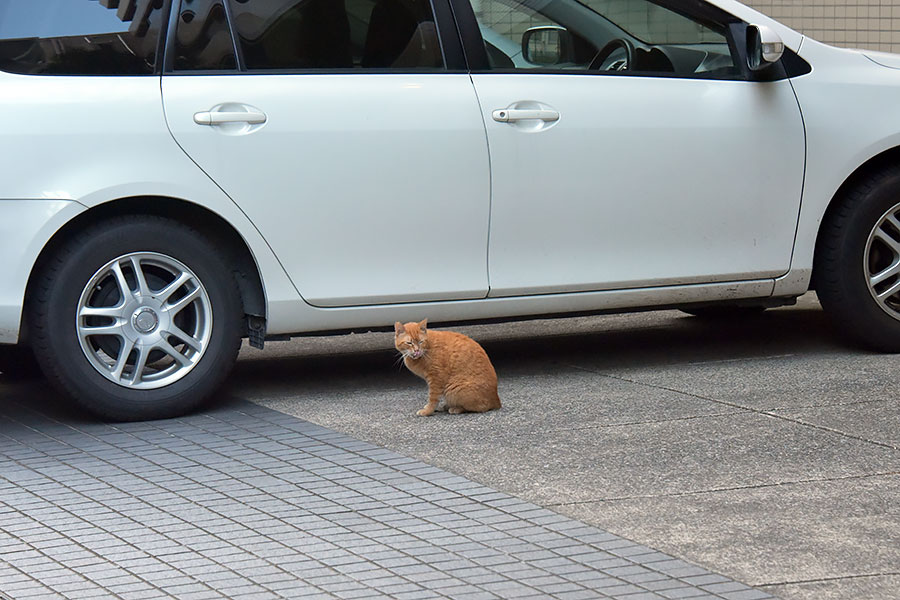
(180, 174)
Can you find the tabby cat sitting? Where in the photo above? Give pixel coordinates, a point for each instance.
(455, 367)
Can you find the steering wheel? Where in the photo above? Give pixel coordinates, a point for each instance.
(599, 61)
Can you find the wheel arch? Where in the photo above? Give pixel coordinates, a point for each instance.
(879, 162)
(221, 232)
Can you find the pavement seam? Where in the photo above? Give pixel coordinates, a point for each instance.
(830, 430)
(767, 413)
(827, 579)
(829, 405)
(731, 360)
(728, 489)
(652, 421)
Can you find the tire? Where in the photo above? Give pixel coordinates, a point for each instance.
(154, 350)
(725, 311)
(857, 262)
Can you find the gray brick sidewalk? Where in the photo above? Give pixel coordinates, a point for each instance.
(244, 502)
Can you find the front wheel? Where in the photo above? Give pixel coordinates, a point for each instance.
(857, 262)
(136, 318)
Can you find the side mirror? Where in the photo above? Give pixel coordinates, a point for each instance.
(547, 45)
(764, 47)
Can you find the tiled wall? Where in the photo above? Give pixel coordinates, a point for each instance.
(651, 23)
(873, 24)
(643, 19)
(852, 23)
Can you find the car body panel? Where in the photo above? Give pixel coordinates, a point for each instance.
(309, 320)
(370, 188)
(25, 228)
(651, 181)
(840, 138)
(102, 139)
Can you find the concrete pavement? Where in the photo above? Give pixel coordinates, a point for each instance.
(765, 449)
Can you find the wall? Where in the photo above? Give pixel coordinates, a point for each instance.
(854, 23)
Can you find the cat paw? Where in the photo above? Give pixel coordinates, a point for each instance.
(455, 411)
(424, 412)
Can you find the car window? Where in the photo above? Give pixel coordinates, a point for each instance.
(654, 24)
(202, 37)
(610, 36)
(312, 34)
(64, 37)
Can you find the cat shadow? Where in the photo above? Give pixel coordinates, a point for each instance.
(526, 348)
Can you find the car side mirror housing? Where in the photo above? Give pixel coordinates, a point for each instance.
(764, 47)
(547, 45)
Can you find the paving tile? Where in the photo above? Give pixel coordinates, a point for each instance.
(245, 502)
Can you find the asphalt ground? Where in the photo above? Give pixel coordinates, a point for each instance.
(764, 449)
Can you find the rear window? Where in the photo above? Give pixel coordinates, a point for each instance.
(80, 37)
(301, 35)
(337, 34)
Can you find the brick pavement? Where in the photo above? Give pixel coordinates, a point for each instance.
(248, 503)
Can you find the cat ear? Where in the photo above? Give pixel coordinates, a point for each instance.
(423, 324)
(398, 328)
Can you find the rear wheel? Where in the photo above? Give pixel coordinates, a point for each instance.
(136, 318)
(857, 265)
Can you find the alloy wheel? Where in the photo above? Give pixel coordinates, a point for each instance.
(882, 262)
(144, 320)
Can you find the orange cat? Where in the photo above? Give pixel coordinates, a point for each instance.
(453, 365)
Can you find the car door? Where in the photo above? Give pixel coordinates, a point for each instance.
(674, 169)
(345, 134)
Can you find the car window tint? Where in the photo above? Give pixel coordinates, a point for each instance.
(336, 34)
(66, 37)
(601, 36)
(202, 37)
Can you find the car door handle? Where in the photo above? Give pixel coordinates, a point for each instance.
(511, 115)
(221, 117)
